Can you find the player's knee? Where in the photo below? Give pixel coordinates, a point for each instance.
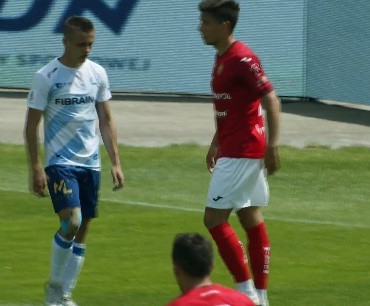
(72, 223)
(208, 222)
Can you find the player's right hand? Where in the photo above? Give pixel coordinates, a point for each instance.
(272, 160)
(211, 157)
(38, 181)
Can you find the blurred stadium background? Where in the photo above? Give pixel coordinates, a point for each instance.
(310, 49)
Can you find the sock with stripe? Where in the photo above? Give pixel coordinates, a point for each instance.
(259, 254)
(73, 268)
(61, 251)
(231, 251)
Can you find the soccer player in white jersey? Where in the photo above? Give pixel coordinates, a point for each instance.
(71, 94)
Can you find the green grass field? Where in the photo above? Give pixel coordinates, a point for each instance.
(318, 221)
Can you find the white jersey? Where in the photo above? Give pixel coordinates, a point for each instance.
(67, 97)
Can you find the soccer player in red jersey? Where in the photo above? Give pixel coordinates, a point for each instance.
(192, 258)
(239, 152)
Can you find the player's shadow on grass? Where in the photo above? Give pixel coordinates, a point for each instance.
(333, 112)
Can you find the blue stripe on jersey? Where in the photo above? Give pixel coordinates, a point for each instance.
(50, 130)
(62, 243)
(69, 152)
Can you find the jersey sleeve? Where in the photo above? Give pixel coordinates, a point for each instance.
(253, 75)
(104, 93)
(38, 95)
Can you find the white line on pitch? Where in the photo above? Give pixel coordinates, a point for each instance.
(166, 206)
(291, 220)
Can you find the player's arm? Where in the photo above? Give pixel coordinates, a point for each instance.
(31, 133)
(109, 136)
(211, 157)
(272, 106)
(254, 76)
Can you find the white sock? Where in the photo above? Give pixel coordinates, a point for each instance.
(246, 286)
(262, 295)
(60, 252)
(73, 268)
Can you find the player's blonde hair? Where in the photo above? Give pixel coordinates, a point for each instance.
(77, 23)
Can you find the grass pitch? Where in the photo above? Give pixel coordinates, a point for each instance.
(318, 221)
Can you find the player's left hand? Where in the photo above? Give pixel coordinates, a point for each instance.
(272, 160)
(118, 178)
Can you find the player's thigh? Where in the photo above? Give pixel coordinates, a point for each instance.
(251, 185)
(260, 193)
(251, 215)
(222, 185)
(63, 187)
(89, 183)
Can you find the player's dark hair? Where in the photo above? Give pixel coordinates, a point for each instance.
(74, 23)
(222, 10)
(193, 253)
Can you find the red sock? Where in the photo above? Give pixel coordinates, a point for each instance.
(259, 254)
(231, 251)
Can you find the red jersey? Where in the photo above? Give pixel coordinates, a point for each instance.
(212, 295)
(238, 83)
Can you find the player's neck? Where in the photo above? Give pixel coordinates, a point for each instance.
(68, 62)
(224, 45)
(188, 284)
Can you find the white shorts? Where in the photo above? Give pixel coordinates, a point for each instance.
(237, 183)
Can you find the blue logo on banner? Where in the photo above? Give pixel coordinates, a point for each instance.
(114, 18)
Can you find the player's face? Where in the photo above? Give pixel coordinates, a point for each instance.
(78, 46)
(211, 29)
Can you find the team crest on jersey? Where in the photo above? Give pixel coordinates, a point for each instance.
(61, 85)
(220, 68)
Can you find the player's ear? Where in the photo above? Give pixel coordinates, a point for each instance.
(228, 27)
(65, 41)
(176, 270)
